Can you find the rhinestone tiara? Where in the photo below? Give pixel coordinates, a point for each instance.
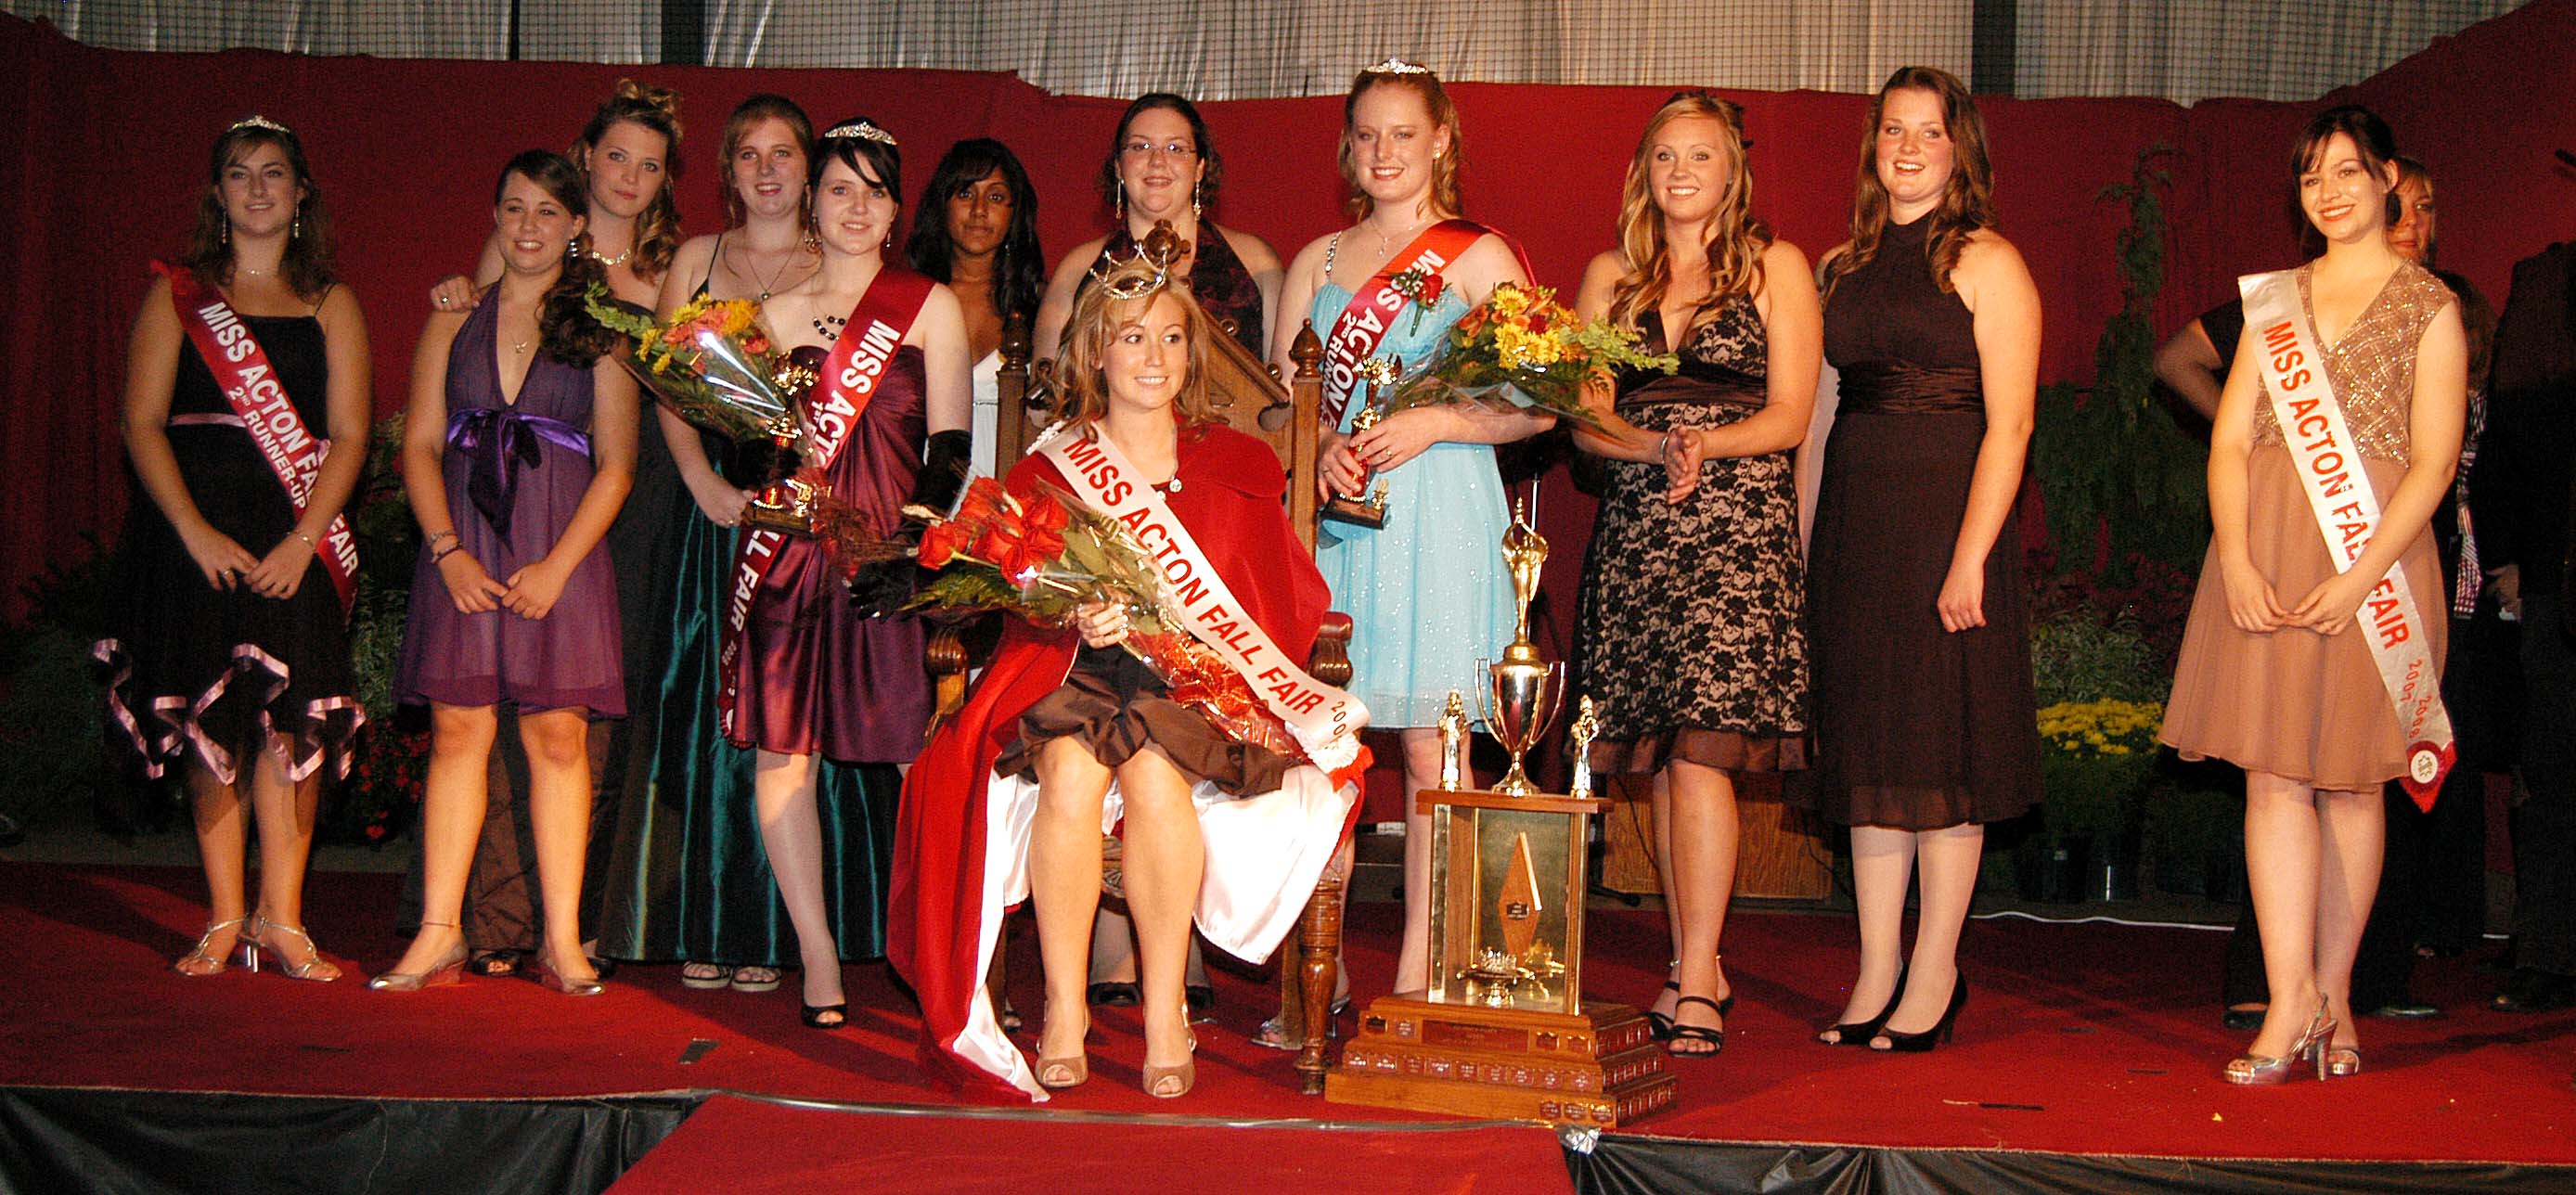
(860, 129)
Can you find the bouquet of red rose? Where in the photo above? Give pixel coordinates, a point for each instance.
(1520, 349)
(1043, 558)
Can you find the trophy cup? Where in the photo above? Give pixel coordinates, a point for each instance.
(1369, 511)
(1504, 1030)
(1524, 692)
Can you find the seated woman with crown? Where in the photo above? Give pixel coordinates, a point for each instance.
(1066, 734)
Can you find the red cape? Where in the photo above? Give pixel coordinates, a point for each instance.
(1230, 498)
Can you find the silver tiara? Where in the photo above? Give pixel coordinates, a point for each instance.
(1397, 66)
(259, 122)
(860, 129)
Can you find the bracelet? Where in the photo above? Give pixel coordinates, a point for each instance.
(437, 536)
(444, 553)
(308, 540)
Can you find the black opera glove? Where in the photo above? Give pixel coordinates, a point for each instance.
(882, 588)
(949, 462)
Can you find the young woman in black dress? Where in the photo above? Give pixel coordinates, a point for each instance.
(228, 637)
(1926, 725)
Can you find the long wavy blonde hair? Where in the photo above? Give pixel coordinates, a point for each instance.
(1733, 240)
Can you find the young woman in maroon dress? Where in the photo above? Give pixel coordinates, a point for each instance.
(819, 674)
(519, 449)
(1925, 722)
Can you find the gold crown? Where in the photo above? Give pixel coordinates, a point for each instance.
(1156, 252)
(1396, 66)
(256, 121)
(860, 129)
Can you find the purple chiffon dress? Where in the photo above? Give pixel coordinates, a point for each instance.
(515, 471)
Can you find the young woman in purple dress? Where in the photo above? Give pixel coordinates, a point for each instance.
(519, 450)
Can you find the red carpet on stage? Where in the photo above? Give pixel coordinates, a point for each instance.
(2077, 1039)
(802, 1149)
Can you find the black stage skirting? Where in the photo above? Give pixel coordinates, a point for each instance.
(62, 1139)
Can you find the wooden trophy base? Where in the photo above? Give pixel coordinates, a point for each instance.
(1599, 1068)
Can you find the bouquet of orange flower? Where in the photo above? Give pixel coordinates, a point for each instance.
(714, 365)
(1043, 558)
(1521, 350)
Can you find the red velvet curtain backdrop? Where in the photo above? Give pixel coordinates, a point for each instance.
(103, 163)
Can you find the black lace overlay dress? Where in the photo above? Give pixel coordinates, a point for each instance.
(1690, 643)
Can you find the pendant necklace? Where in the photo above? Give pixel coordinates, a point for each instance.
(770, 285)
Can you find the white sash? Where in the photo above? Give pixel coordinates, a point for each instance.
(2347, 514)
(1325, 720)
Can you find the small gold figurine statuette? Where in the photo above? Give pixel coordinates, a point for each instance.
(1579, 747)
(1371, 510)
(1453, 734)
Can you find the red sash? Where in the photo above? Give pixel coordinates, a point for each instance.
(2347, 514)
(250, 384)
(1366, 319)
(858, 362)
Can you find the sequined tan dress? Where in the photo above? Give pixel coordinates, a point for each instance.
(2293, 703)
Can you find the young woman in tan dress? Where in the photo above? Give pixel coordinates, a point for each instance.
(2274, 676)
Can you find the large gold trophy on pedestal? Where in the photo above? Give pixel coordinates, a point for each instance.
(1503, 1030)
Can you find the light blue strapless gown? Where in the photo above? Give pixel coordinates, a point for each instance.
(1428, 592)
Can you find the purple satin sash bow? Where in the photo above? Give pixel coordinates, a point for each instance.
(503, 442)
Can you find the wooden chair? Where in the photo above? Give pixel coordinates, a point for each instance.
(1253, 400)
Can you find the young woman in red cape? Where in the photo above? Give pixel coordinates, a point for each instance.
(1066, 735)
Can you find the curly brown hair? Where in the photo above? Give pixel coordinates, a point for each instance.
(1967, 204)
(657, 229)
(566, 330)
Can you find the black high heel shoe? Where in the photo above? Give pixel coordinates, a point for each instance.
(1922, 1043)
(1858, 1033)
(1660, 1025)
(1714, 1037)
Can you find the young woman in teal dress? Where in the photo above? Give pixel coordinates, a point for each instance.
(1427, 591)
(690, 878)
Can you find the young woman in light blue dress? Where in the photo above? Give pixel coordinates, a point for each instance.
(1428, 591)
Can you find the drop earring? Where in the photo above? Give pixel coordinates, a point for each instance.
(227, 237)
(295, 228)
(1195, 208)
(1122, 203)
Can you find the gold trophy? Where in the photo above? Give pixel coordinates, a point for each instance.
(1578, 749)
(1503, 1029)
(1370, 511)
(783, 501)
(1525, 692)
